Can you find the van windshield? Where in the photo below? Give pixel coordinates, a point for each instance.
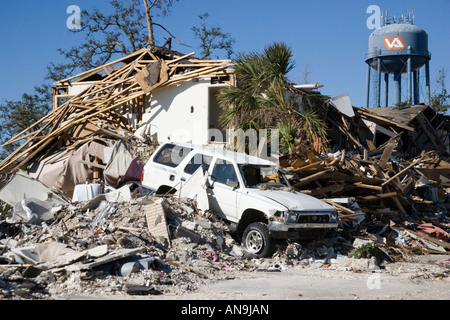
(257, 175)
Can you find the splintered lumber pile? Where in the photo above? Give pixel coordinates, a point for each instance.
(382, 185)
(112, 90)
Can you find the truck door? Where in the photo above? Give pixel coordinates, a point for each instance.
(222, 189)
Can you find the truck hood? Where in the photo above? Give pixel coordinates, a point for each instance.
(294, 201)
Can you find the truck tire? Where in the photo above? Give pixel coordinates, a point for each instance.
(257, 240)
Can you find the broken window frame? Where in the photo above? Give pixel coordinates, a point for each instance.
(197, 160)
(219, 178)
(172, 155)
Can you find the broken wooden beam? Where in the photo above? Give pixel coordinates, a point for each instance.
(367, 186)
(367, 211)
(310, 178)
(378, 196)
(339, 207)
(386, 155)
(401, 172)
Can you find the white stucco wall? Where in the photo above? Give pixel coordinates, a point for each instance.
(179, 113)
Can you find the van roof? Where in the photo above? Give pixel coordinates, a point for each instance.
(240, 158)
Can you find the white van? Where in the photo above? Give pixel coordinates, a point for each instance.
(249, 192)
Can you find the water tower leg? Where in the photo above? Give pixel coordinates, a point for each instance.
(386, 89)
(397, 88)
(367, 85)
(427, 83)
(408, 70)
(416, 86)
(378, 96)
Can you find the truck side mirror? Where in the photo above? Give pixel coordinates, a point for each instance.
(232, 183)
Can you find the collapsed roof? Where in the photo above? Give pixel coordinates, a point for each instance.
(98, 99)
(414, 128)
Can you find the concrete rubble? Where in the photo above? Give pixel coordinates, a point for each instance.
(148, 245)
(124, 240)
(77, 222)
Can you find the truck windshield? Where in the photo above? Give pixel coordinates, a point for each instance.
(255, 175)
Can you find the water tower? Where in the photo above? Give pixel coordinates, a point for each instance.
(398, 48)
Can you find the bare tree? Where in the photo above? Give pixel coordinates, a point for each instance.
(440, 101)
(163, 7)
(127, 29)
(212, 38)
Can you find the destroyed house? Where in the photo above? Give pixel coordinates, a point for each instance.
(414, 129)
(164, 93)
(424, 128)
(157, 95)
(152, 95)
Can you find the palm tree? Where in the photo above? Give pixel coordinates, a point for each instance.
(258, 101)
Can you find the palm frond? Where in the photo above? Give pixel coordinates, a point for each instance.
(313, 126)
(278, 62)
(258, 100)
(288, 133)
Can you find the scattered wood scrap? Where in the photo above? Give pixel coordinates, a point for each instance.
(380, 185)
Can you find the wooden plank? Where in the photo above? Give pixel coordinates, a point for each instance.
(386, 155)
(401, 172)
(375, 212)
(368, 186)
(310, 178)
(378, 196)
(370, 145)
(334, 188)
(339, 207)
(97, 69)
(397, 201)
(336, 175)
(311, 166)
(180, 58)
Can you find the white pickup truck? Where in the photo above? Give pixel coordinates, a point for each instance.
(249, 192)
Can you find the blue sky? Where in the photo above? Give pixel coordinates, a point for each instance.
(331, 37)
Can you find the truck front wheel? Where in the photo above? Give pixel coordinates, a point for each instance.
(257, 240)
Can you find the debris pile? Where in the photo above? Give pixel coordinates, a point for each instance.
(118, 238)
(140, 245)
(384, 185)
(381, 194)
(129, 242)
(78, 222)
